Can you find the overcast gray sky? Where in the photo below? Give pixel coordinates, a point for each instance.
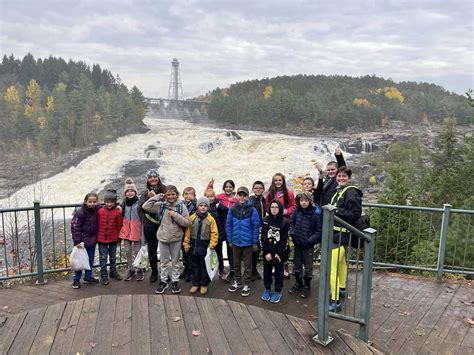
(221, 42)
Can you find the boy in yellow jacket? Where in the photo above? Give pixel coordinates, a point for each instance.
(200, 234)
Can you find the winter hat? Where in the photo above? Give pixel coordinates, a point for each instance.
(130, 185)
(203, 200)
(152, 172)
(307, 195)
(110, 195)
(243, 189)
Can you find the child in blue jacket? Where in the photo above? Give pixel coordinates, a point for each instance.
(243, 227)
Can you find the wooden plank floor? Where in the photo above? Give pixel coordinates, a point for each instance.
(188, 325)
(409, 315)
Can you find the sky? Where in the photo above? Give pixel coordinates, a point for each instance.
(219, 43)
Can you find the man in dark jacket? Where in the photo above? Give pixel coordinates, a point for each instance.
(327, 186)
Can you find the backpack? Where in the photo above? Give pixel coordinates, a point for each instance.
(179, 209)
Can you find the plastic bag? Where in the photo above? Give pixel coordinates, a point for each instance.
(212, 263)
(79, 259)
(141, 260)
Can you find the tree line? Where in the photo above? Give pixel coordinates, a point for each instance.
(339, 102)
(50, 105)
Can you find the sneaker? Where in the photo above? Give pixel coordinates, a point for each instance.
(130, 275)
(245, 291)
(162, 286)
(203, 290)
(194, 289)
(140, 275)
(175, 288)
(276, 297)
(335, 306)
(91, 280)
(153, 277)
(342, 293)
(266, 295)
(295, 288)
(306, 291)
(104, 281)
(115, 275)
(76, 284)
(235, 286)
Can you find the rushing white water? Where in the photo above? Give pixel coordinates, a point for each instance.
(257, 156)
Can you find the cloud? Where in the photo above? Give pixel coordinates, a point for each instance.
(219, 43)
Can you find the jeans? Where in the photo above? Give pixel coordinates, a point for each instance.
(198, 267)
(87, 273)
(107, 250)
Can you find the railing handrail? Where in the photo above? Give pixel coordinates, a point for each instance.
(352, 229)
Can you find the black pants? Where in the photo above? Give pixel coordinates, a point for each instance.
(150, 229)
(187, 262)
(268, 277)
(230, 257)
(220, 256)
(199, 271)
(255, 256)
(303, 258)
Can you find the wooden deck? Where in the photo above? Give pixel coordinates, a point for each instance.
(410, 315)
(155, 324)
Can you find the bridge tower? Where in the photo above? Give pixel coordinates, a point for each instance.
(175, 90)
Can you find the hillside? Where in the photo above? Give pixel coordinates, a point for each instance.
(338, 102)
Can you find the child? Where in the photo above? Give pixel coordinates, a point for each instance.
(243, 226)
(110, 223)
(219, 212)
(84, 229)
(274, 238)
(131, 231)
(154, 187)
(279, 191)
(305, 231)
(258, 201)
(174, 217)
(189, 195)
(227, 198)
(327, 186)
(200, 234)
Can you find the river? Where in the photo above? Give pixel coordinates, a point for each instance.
(184, 160)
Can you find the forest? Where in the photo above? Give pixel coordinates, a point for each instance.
(49, 106)
(338, 102)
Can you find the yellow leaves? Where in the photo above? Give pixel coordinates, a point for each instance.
(373, 180)
(32, 91)
(97, 120)
(60, 87)
(267, 93)
(393, 93)
(225, 92)
(12, 97)
(361, 102)
(33, 97)
(50, 104)
(28, 111)
(42, 122)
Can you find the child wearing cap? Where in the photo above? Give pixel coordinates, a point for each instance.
(305, 231)
(243, 227)
(131, 231)
(109, 219)
(200, 234)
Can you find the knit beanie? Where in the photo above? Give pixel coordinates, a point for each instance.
(152, 172)
(110, 195)
(129, 185)
(307, 195)
(203, 200)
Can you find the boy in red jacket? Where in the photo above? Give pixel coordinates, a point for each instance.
(110, 222)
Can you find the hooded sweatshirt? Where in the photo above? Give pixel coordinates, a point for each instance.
(274, 235)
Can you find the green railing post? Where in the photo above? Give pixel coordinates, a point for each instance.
(443, 238)
(367, 284)
(38, 243)
(322, 336)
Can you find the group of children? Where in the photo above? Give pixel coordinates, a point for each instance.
(249, 225)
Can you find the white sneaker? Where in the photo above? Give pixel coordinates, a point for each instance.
(234, 287)
(245, 291)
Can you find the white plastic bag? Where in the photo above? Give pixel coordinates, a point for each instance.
(141, 260)
(79, 259)
(212, 263)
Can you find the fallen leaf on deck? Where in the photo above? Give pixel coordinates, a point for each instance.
(176, 319)
(5, 307)
(196, 333)
(209, 350)
(420, 332)
(386, 305)
(305, 305)
(469, 321)
(349, 297)
(92, 344)
(313, 317)
(448, 291)
(469, 303)
(115, 345)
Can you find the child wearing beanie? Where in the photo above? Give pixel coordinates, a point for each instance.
(131, 232)
(200, 234)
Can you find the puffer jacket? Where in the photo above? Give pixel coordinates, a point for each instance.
(132, 224)
(200, 240)
(219, 212)
(305, 227)
(171, 228)
(84, 226)
(243, 225)
(349, 208)
(110, 224)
